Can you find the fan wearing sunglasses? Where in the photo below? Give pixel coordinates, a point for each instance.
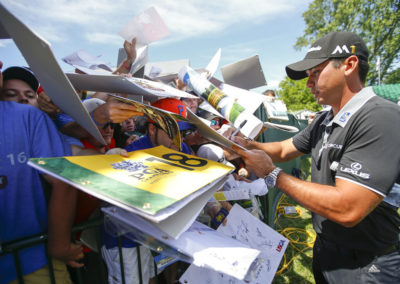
(106, 130)
(156, 136)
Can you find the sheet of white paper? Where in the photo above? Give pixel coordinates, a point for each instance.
(89, 71)
(276, 109)
(207, 132)
(118, 84)
(227, 105)
(282, 127)
(142, 57)
(43, 63)
(252, 105)
(205, 246)
(169, 69)
(244, 227)
(209, 108)
(185, 216)
(255, 187)
(147, 27)
(154, 72)
(239, 194)
(213, 64)
(84, 59)
(248, 99)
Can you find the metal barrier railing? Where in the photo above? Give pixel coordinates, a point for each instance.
(15, 246)
(268, 205)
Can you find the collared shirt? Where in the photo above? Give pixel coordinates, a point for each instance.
(358, 144)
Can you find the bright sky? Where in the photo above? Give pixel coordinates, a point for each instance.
(241, 28)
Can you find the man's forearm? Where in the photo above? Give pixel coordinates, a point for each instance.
(73, 129)
(279, 152)
(61, 215)
(124, 67)
(346, 203)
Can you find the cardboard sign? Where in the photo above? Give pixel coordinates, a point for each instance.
(246, 74)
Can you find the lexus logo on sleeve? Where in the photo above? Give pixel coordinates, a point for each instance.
(355, 169)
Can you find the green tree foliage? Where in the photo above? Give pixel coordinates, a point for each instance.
(376, 21)
(393, 77)
(297, 96)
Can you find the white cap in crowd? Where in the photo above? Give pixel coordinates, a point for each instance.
(214, 153)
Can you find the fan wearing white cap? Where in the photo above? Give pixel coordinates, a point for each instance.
(355, 163)
(213, 152)
(106, 130)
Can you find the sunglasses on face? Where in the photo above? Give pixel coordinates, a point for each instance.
(112, 125)
(184, 133)
(215, 122)
(187, 132)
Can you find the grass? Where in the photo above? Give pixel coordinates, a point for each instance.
(295, 266)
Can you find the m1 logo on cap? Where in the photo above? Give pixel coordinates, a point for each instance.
(341, 49)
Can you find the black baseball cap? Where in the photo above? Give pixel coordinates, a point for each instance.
(23, 74)
(334, 45)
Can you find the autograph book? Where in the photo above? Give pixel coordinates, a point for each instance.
(166, 187)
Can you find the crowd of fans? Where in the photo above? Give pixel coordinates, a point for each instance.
(38, 128)
(353, 193)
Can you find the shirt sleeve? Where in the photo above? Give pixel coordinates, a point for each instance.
(303, 140)
(62, 119)
(71, 140)
(46, 140)
(371, 154)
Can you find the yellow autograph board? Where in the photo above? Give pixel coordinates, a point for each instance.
(158, 176)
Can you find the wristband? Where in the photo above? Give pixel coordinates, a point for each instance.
(126, 66)
(220, 217)
(98, 124)
(39, 90)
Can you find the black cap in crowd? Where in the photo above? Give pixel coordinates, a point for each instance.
(23, 74)
(333, 45)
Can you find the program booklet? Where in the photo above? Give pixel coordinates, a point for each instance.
(166, 187)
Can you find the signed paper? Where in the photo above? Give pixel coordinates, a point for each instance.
(244, 227)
